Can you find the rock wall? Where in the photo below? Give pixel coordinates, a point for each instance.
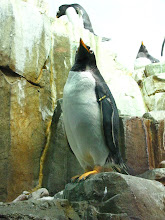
(36, 54)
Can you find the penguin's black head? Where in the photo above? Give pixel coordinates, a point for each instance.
(143, 52)
(85, 58)
(62, 10)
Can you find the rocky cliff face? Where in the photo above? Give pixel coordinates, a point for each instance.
(36, 54)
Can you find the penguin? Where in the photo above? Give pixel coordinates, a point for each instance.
(162, 47)
(90, 116)
(143, 53)
(63, 9)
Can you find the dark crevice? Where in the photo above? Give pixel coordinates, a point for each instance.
(9, 72)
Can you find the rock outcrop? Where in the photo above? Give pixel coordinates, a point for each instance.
(101, 197)
(36, 54)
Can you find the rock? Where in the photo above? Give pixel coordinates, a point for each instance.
(36, 54)
(141, 142)
(162, 164)
(154, 84)
(154, 69)
(60, 163)
(128, 98)
(154, 92)
(38, 209)
(22, 52)
(22, 197)
(155, 115)
(139, 75)
(40, 193)
(117, 194)
(102, 196)
(155, 174)
(134, 143)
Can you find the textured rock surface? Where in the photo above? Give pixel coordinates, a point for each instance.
(119, 194)
(38, 209)
(34, 62)
(154, 69)
(154, 91)
(101, 197)
(155, 174)
(36, 54)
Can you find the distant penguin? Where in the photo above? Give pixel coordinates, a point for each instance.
(91, 117)
(82, 13)
(143, 53)
(162, 47)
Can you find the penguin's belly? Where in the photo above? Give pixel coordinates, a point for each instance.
(82, 120)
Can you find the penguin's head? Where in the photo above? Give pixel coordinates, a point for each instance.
(62, 10)
(85, 56)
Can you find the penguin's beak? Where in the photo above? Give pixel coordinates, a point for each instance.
(83, 44)
(142, 43)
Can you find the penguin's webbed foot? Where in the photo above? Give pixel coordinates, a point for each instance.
(75, 178)
(87, 174)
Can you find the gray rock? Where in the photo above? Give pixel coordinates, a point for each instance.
(155, 68)
(38, 210)
(155, 174)
(100, 197)
(155, 115)
(118, 194)
(153, 88)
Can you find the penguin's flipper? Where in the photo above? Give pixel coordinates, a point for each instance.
(110, 120)
(110, 126)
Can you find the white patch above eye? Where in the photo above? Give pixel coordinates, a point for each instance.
(91, 51)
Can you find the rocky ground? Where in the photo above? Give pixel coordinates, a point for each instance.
(100, 197)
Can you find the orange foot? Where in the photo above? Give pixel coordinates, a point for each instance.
(87, 174)
(97, 169)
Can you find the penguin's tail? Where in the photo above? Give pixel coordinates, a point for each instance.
(121, 168)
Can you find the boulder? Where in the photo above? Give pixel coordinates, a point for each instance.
(24, 44)
(127, 95)
(141, 142)
(154, 90)
(155, 174)
(38, 209)
(154, 69)
(100, 197)
(117, 194)
(36, 54)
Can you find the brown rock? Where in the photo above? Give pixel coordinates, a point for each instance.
(134, 144)
(141, 141)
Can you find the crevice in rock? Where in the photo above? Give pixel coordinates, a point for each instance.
(10, 73)
(157, 91)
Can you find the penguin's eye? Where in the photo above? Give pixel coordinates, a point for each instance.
(91, 51)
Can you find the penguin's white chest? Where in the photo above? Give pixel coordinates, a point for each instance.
(82, 120)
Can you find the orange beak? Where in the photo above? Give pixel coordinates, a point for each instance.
(82, 43)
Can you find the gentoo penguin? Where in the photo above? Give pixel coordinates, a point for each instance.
(90, 116)
(82, 13)
(162, 47)
(143, 53)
